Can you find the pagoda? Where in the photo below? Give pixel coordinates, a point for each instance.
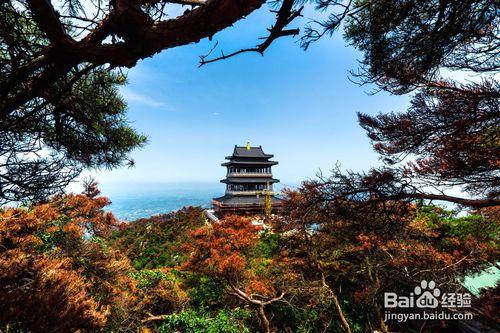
(249, 183)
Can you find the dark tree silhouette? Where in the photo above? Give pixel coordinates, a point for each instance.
(405, 43)
(43, 146)
(60, 110)
(116, 33)
(453, 137)
(449, 135)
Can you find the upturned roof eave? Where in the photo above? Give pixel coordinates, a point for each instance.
(243, 180)
(232, 162)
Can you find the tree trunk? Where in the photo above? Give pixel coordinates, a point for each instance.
(263, 319)
(373, 277)
(343, 320)
(340, 312)
(383, 327)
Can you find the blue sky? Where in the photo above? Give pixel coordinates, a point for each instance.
(299, 105)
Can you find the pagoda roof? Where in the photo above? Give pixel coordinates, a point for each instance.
(246, 180)
(249, 152)
(248, 162)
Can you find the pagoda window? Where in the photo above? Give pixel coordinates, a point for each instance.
(248, 187)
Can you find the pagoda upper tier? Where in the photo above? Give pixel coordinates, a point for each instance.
(249, 165)
(248, 156)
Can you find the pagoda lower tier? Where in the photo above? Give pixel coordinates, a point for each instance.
(245, 204)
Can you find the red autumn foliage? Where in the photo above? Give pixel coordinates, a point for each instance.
(227, 251)
(54, 274)
(221, 249)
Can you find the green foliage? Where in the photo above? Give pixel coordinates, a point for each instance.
(269, 244)
(149, 278)
(296, 319)
(474, 225)
(313, 319)
(49, 240)
(157, 241)
(80, 122)
(205, 292)
(190, 321)
(11, 329)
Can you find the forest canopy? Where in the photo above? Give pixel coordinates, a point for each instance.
(69, 265)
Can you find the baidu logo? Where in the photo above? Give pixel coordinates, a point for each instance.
(428, 295)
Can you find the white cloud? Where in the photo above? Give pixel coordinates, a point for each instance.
(131, 96)
(216, 114)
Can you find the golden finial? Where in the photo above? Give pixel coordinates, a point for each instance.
(248, 145)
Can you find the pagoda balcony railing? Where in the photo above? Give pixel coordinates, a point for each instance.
(233, 205)
(259, 192)
(249, 174)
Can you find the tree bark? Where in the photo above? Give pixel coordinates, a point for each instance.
(475, 203)
(338, 307)
(142, 38)
(383, 327)
(373, 277)
(264, 322)
(343, 320)
(259, 305)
